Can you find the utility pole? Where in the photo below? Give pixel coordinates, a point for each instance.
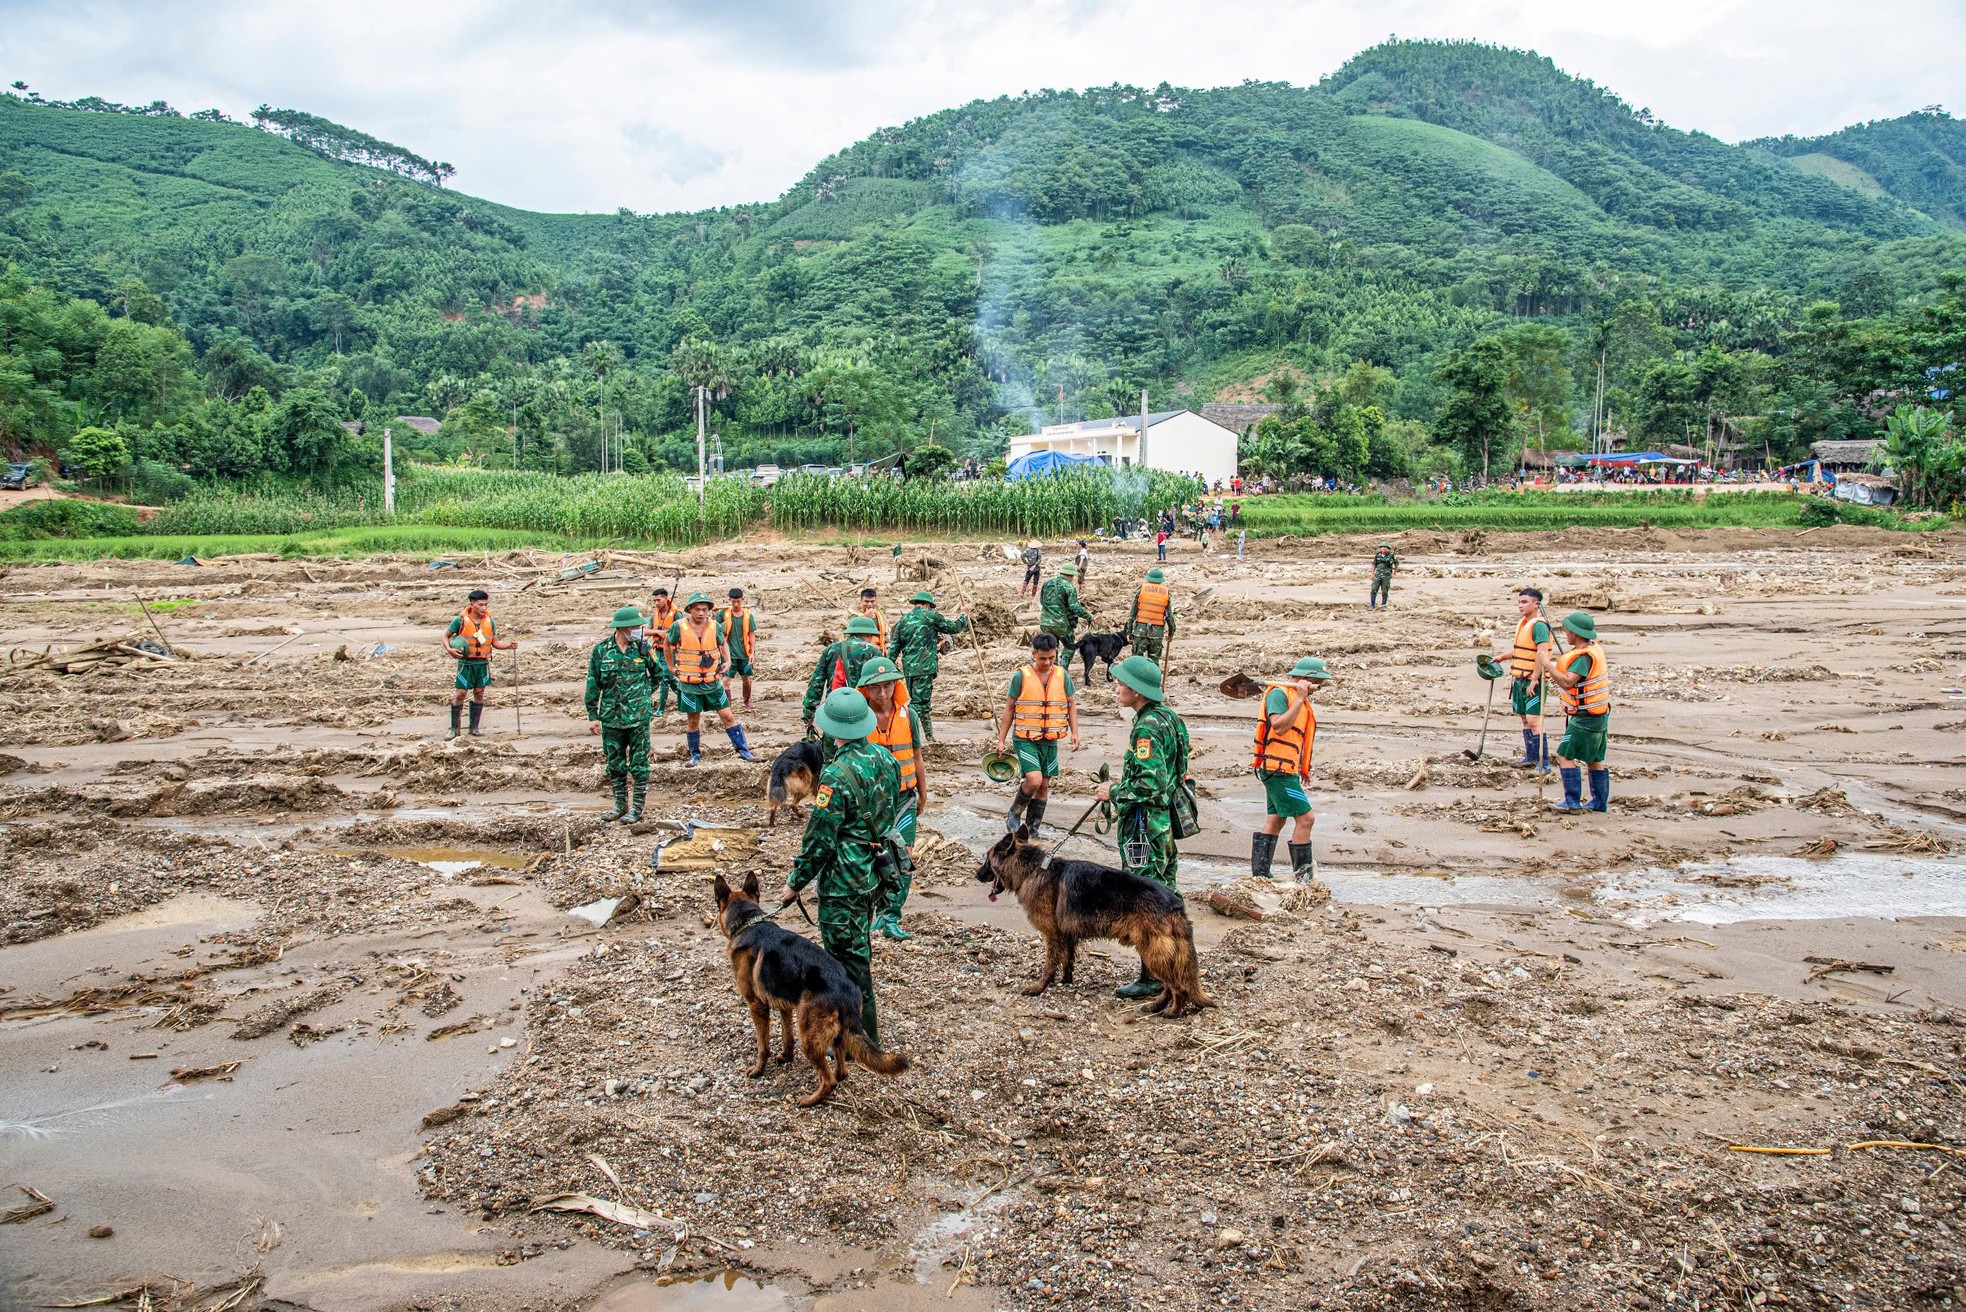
(1143, 428)
(1597, 410)
(701, 394)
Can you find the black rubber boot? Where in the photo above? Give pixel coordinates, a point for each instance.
(457, 718)
(477, 714)
(1303, 866)
(637, 790)
(1014, 817)
(620, 788)
(1140, 989)
(1034, 814)
(1262, 850)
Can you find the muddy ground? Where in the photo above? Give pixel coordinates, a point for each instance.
(294, 1005)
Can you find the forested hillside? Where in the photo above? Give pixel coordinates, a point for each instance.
(1433, 228)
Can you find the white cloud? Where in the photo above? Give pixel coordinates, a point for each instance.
(681, 104)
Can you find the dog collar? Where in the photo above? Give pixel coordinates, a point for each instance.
(757, 914)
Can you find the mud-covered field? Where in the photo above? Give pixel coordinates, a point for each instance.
(300, 1002)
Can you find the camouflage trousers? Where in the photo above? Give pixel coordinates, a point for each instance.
(1068, 647)
(845, 924)
(921, 696)
(625, 748)
(1150, 640)
(1146, 838)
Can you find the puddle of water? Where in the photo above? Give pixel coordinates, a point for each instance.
(727, 1291)
(1857, 885)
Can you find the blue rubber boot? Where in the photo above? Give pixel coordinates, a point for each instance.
(1544, 768)
(736, 732)
(1573, 789)
(1528, 749)
(695, 747)
(1600, 790)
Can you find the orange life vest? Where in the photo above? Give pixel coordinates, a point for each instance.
(1150, 607)
(1593, 695)
(1286, 750)
(697, 656)
(660, 618)
(897, 734)
(478, 635)
(747, 628)
(1040, 712)
(1522, 661)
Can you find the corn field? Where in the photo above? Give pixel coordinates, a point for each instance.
(1074, 501)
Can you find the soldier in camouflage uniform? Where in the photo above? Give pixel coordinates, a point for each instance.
(1156, 757)
(853, 810)
(621, 675)
(1384, 562)
(1060, 610)
(839, 665)
(915, 646)
(1150, 624)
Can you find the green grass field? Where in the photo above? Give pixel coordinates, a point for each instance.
(347, 543)
(1534, 512)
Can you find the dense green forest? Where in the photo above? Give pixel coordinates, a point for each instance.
(1426, 257)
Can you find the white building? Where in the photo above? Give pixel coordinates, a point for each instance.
(1177, 440)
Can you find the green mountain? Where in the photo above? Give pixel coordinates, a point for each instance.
(952, 275)
(1919, 159)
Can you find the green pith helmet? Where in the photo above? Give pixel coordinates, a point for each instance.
(923, 598)
(878, 670)
(460, 643)
(845, 715)
(1142, 675)
(628, 618)
(1311, 667)
(999, 767)
(1489, 667)
(1580, 623)
(698, 599)
(862, 626)
(1156, 576)
(1069, 569)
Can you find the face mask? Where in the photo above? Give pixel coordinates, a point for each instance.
(634, 635)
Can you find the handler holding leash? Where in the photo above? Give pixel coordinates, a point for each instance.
(1156, 761)
(1583, 684)
(846, 841)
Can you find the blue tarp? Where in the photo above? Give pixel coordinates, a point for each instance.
(1639, 458)
(1040, 463)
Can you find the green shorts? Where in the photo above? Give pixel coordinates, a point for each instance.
(908, 822)
(740, 668)
(473, 674)
(1585, 739)
(1037, 756)
(1284, 795)
(696, 698)
(1524, 697)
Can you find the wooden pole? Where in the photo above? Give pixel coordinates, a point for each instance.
(975, 643)
(153, 623)
(518, 729)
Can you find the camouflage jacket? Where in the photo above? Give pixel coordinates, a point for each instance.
(918, 635)
(853, 807)
(855, 651)
(1059, 606)
(620, 684)
(1383, 563)
(1156, 750)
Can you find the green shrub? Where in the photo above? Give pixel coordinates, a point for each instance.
(67, 517)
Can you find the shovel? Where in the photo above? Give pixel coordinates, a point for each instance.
(1482, 744)
(1241, 687)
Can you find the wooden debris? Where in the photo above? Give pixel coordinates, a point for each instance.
(1831, 965)
(90, 657)
(38, 1204)
(193, 1074)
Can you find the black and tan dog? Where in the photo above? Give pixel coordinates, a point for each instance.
(1096, 647)
(1069, 901)
(794, 776)
(780, 971)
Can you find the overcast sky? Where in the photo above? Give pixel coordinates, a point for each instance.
(682, 104)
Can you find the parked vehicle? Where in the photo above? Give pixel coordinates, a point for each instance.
(20, 477)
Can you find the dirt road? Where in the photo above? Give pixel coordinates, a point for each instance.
(1504, 1067)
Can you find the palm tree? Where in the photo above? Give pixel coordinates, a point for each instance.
(600, 357)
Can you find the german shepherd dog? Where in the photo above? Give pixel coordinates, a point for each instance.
(780, 971)
(794, 775)
(1105, 647)
(1069, 901)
